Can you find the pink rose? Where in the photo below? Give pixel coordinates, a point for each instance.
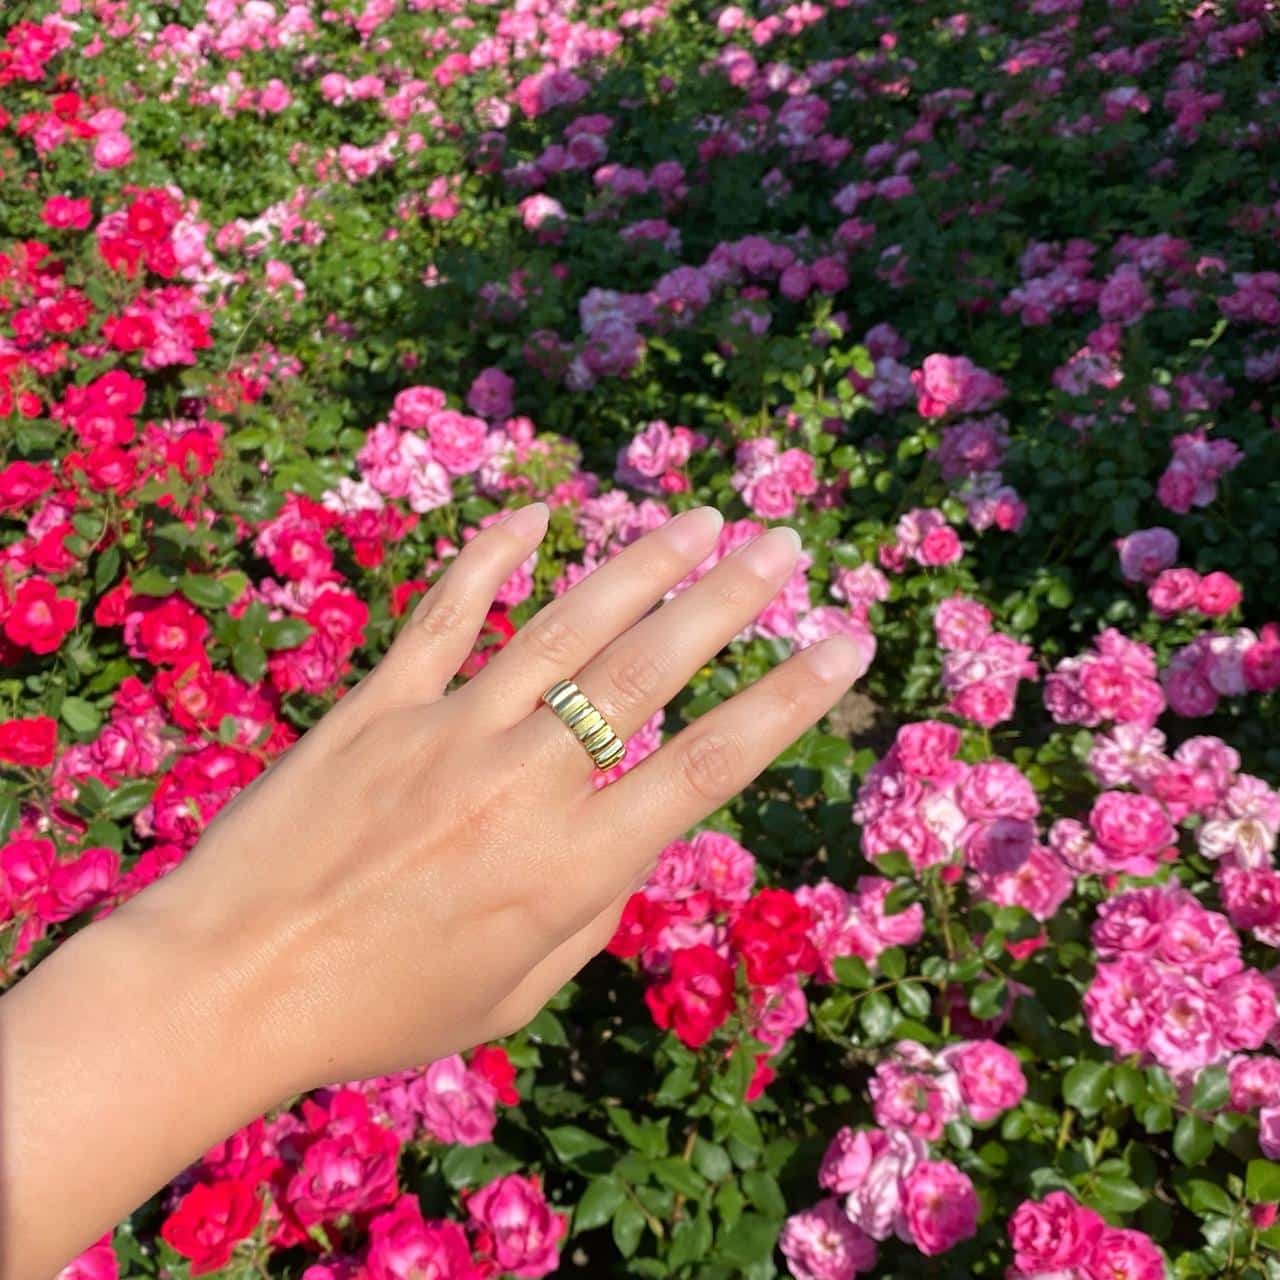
(1130, 830)
(991, 1079)
(403, 1247)
(960, 623)
(875, 1204)
(516, 1227)
(822, 1244)
(846, 1161)
(939, 547)
(946, 384)
(1174, 591)
(915, 1092)
(457, 1105)
(1053, 1235)
(997, 789)
(97, 1262)
(940, 1207)
(927, 748)
(1124, 1255)
(1269, 1132)
(1218, 594)
(414, 406)
(457, 441)
(112, 150)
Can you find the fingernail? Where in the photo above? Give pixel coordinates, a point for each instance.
(525, 521)
(772, 553)
(840, 658)
(694, 530)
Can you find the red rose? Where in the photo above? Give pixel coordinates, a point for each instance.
(21, 483)
(697, 996)
(642, 919)
(491, 1062)
(30, 742)
(40, 617)
(210, 1221)
(771, 933)
(170, 631)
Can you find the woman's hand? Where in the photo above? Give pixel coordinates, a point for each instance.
(423, 870)
(416, 875)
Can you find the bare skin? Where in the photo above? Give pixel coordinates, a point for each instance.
(418, 874)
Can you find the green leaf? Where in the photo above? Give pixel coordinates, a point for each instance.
(104, 572)
(151, 582)
(1085, 1086)
(987, 999)
(690, 1241)
(750, 1239)
(1155, 1117)
(851, 971)
(249, 660)
(628, 1224)
(205, 591)
(1192, 1139)
(10, 811)
(729, 1203)
(711, 1160)
(1212, 1089)
(102, 834)
(1262, 1182)
(126, 799)
(899, 898)
(892, 962)
(1129, 1083)
(893, 864)
(286, 633)
(647, 1137)
(571, 1143)
(678, 1083)
(80, 715)
(1117, 1193)
(547, 1029)
(598, 1204)
(875, 1013)
(1203, 1197)
(674, 1173)
(914, 999)
(763, 1191)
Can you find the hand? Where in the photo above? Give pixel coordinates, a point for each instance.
(422, 870)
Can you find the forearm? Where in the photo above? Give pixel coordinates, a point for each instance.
(121, 1061)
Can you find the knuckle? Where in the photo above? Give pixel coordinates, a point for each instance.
(443, 616)
(712, 763)
(732, 591)
(636, 676)
(789, 700)
(553, 639)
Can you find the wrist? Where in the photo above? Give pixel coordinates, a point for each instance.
(126, 1049)
(202, 989)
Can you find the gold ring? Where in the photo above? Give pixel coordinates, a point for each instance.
(588, 725)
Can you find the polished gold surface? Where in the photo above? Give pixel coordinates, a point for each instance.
(583, 718)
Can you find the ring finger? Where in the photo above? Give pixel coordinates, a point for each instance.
(649, 664)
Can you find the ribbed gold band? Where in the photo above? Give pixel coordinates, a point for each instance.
(588, 725)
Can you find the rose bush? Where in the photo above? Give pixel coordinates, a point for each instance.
(980, 979)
